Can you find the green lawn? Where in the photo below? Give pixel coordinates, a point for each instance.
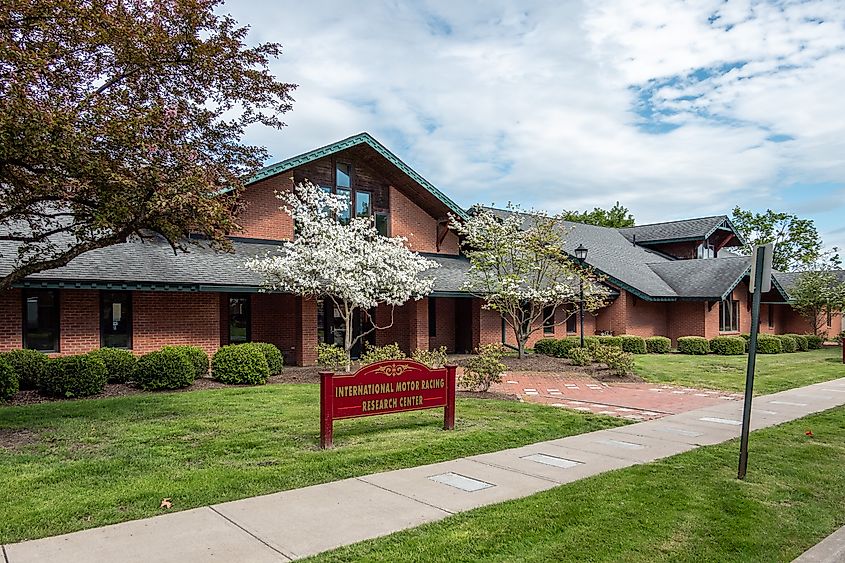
(775, 372)
(95, 462)
(689, 507)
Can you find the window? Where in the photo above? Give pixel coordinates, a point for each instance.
(432, 317)
(239, 319)
(829, 318)
(729, 316)
(381, 224)
(41, 320)
(771, 316)
(363, 204)
(343, 179)
(115, 319)
(345, 214)
(705, 250)
(572, 323)
(548, 320)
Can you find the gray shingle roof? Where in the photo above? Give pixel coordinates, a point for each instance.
(153, 262)
(703, 279)
(612, 254)
(788, 279)
(686, 229)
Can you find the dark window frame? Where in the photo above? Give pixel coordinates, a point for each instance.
(248, 299)
(771, 319)
(549, 320)
(572, 318)
(729, 324)
(103, 296)
(829, 317)
(57, 300)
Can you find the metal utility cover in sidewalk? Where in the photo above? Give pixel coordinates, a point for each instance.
(461, 482)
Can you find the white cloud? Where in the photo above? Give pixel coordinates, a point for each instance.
(537, 103)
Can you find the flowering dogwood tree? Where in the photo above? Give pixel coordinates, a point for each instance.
(518, 265)
(349, 263)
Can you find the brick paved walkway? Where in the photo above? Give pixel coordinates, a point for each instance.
(634, 401)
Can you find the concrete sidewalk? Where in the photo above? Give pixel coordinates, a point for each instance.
(829, 550)
(297, 523)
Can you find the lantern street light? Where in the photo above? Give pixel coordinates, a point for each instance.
(581, 255)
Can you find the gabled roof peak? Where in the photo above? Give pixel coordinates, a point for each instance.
(362, 138)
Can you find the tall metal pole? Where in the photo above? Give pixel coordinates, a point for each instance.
(582, 312)
(752, 360)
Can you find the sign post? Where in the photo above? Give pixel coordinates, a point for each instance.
(382, 388)
(760, 282)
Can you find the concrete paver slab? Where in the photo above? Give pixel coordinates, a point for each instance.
(415, 483)
(520, 460)
(306, 521)
(196, 535)
(625, 446)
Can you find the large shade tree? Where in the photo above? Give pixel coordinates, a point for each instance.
(798, 245)
(124, 118)
(519, 267)
(347, 262)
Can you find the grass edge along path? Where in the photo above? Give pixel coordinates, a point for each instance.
(74, 465)
(775, 372)
(688, 507)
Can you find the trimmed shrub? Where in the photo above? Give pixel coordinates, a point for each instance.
(196, 356)
(29, 366)
(74, 376)
(695, 345)
(728, 345)
(769, 344)
(240, 364)
(332, 357)
(746, 336)
(788, 343)
(432, 358)
(619, 361)
(562, 346)
(632, 344)
(545, 346)
(168, 368)
(814, 342)
(120, 363)
(8, 380)
(606, 340)
(801, 343)
(373, 354)
(580, 356)
(484, 369)
(658, 345)
(272, 354)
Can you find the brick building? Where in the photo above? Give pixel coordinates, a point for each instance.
(671, 279)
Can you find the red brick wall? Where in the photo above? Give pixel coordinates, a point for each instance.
(646, 318)
(306, 337)
(79, 314)
(614, 317)
(160, 318)
(274, 320)
(686, 318)
(410, 326)
(11, 320)
(261, 217)
(409, 220)
(486, 325)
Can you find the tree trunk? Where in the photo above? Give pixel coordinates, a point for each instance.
(347, 337)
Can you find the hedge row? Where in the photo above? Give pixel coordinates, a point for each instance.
(560, 347)
(737, 345)
(172, 367)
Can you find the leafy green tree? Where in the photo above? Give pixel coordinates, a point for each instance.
(815, 293)
(519, 267)
(616, 217)
(123, 118)
(797, 241)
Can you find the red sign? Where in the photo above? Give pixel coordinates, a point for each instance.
(382, 388)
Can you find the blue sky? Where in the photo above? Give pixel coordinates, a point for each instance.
(676, 109)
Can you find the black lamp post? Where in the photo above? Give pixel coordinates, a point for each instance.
(581, 255)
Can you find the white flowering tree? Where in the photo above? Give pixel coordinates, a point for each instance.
(349, 263)
(519, 267)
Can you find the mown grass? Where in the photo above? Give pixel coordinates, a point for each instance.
(80, 464)
(775, 372)
(687, 508)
